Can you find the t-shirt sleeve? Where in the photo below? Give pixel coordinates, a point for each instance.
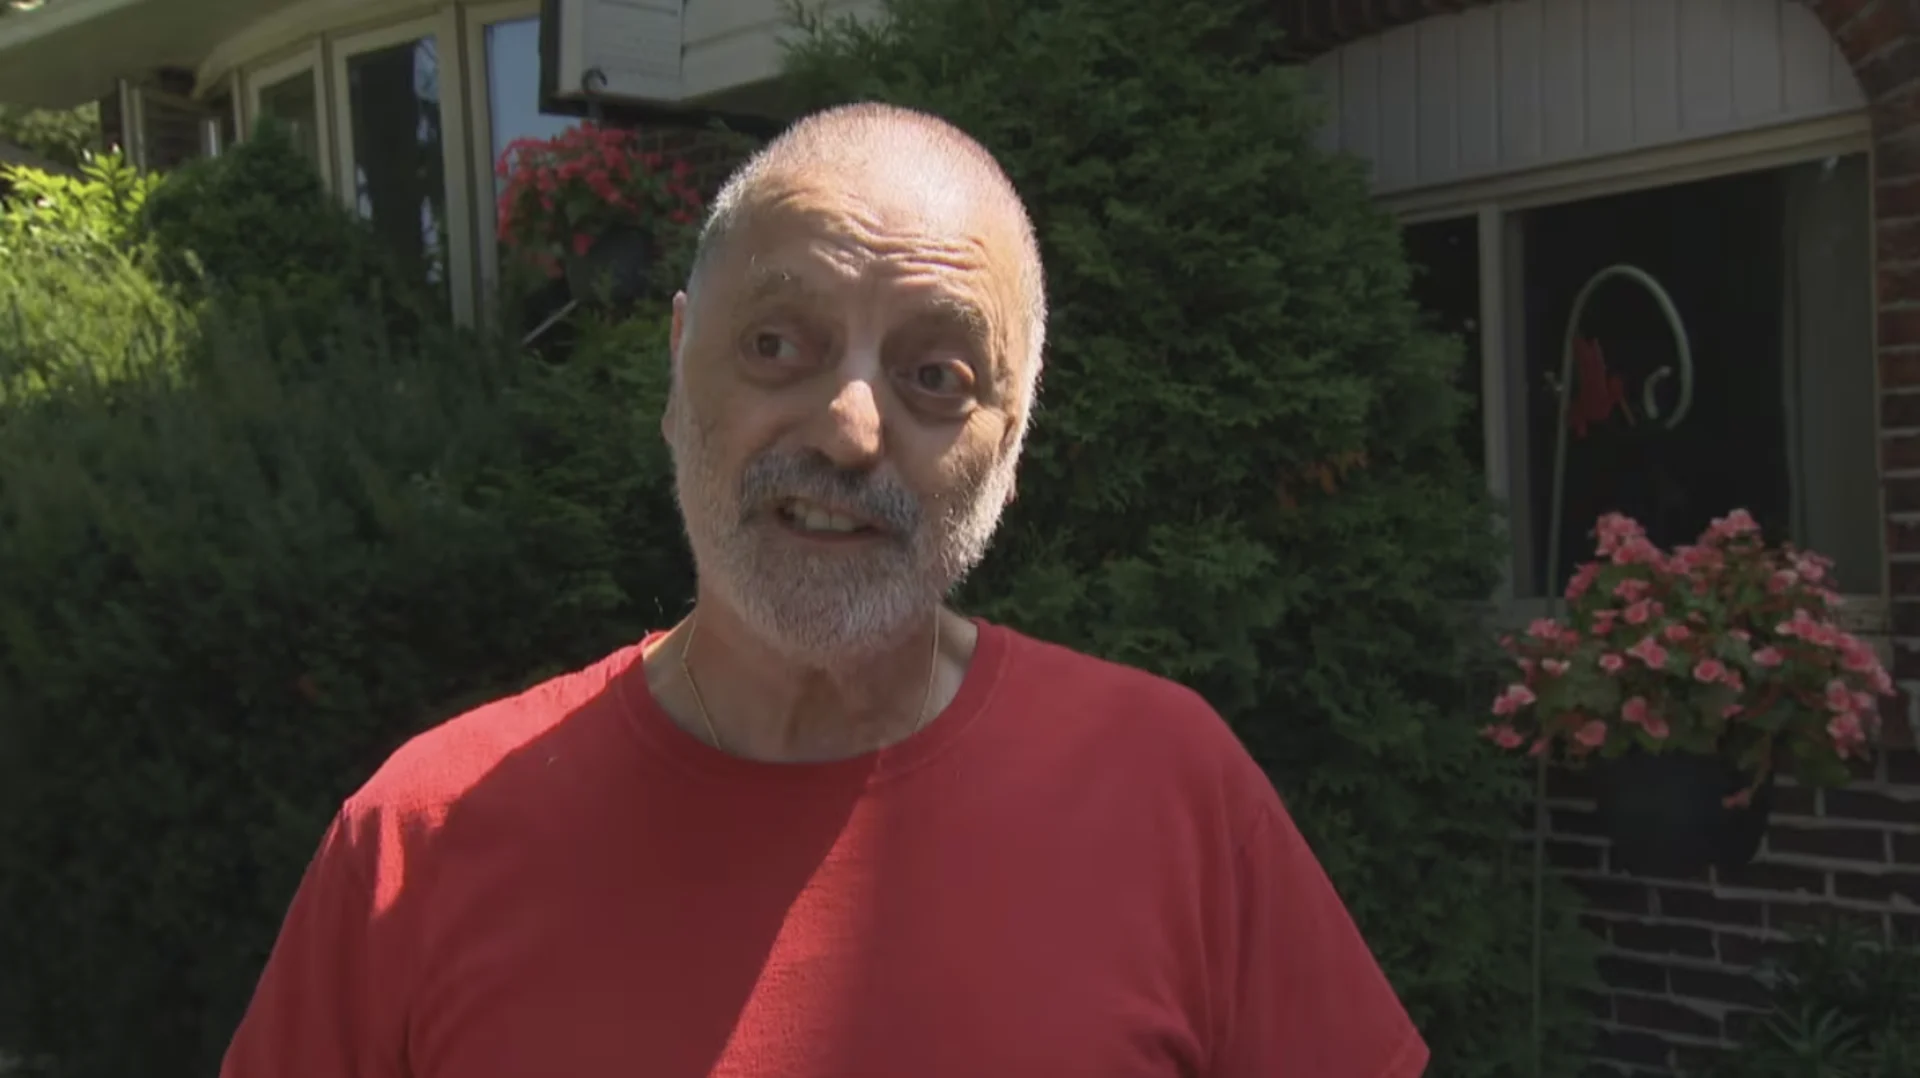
(1306, 998)
(318, 1010)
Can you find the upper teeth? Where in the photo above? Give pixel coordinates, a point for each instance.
(814, 518)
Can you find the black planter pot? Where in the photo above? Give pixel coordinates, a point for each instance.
(614, 270)
(1665, 814)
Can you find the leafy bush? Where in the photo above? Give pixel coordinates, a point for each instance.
(257, 221)
(79, 296)
(1245, 476)
(1844, 1006)
(226, 595)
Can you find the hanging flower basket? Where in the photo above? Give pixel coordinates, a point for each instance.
(615, 269)
(590, 207)
(1668, 814)
(1691, 679)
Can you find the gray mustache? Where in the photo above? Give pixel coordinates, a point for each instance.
(773, 476)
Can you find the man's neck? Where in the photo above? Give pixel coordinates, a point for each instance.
(765, 706)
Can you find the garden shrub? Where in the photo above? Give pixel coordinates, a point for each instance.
(227, 595)
(1842, 1003)
(1244, 474)
(257, 221)
(79, 295)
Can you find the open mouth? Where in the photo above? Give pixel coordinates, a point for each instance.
(810, 518)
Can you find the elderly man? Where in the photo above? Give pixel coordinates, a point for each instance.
(826, 826)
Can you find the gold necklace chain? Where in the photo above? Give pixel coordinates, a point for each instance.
(706, 719)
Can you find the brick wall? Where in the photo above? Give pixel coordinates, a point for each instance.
(1679, 954)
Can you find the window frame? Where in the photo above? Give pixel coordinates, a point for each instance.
(444, 26)
(477, 20)
(308, 59)
(1497, 203)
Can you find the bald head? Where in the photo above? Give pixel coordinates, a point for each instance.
(919, 155)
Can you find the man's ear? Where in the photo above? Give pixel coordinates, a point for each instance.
(674, 338)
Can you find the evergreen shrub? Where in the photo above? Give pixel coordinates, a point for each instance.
(1244, 474)
(227, 594)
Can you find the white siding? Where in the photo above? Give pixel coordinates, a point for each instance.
(1515, 85)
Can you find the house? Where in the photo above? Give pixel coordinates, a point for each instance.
(403, 105)
(1757, 162)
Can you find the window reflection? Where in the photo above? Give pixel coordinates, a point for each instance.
(295, 102)
(399, 171)
(513, 90)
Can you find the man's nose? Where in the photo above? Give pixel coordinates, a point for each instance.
(850, 432)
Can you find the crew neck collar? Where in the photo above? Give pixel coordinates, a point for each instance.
(660, 736)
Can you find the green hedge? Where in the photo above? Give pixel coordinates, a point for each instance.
(1244, 474)
(224, 597)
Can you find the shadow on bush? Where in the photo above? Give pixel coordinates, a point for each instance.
(227, 592)
(257, 222)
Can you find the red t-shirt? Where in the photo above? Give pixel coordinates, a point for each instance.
(1074, 870)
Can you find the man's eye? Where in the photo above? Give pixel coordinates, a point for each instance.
(945, 378)
(772, 346)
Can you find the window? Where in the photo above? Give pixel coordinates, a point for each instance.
(513, 89)
(1770, 273)
(398, 176)
(294, 100)
(1446, 263)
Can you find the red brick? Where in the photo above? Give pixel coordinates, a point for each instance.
(1845, 843)
(1786, 879)
(1871, 805)
(1906, 619)
(1896, 195)
(1899, 325)
(1799, 800)
(1632, 974)
(1742, 949)
(1899, 411)
(1836, 14)
(1903, 768)
(1903, 495)
(1904, 578)
(1663, 939)
(1878, 886)
(1616, 896)
(1900, 452)
(1897, 240)
(1884, 72)
(1629, 1046)
(1705, 906)
(1665, 1015)
(1906, 665)
(1872, 28)
(1721, 987)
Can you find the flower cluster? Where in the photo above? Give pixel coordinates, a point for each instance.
(560, 194)
(1727, 646)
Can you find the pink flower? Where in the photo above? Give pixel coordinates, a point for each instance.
(1637, 552)
(1556, 667)
(1630, 589)
(1603, 622)
(1781, 580)
(1811, 567)
(1582, 580)
(1732, 526)
(1543, 629)
(1649, 651)
(1676, 632)
(1503, 735)
(1593, 734)
(1641, 610)
(1635, 711)
(1657, 728)
(1848, 736)
(1614, 530)
(1769, 657)
(1839, 697)
(1708, 671)
(1730, 711)
(1738, 634)
(1612, 663)
(582, 243)
(1513, 699)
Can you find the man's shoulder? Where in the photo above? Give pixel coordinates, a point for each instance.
(1108, 706)
(437, 767)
